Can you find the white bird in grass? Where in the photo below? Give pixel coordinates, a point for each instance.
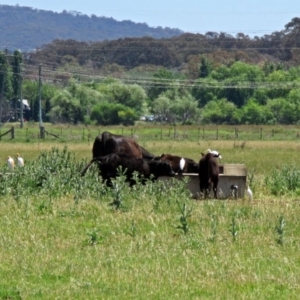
(214, 153)
(20, 160)
(249, 192)
(10, 163)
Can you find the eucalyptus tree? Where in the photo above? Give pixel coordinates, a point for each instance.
(16, 64)
(5, 83)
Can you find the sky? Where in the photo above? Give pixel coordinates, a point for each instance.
(251, 17)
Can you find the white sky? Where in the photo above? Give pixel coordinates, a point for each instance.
(252, 17)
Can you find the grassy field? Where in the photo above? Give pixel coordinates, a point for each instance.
(62, 239)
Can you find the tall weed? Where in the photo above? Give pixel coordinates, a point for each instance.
(284, 181)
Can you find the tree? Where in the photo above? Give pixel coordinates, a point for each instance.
(65, 108)
(161, 107)
(132, 96)
(113, 114)
(253, 113)
(185, 109)
(283, 112)
(205, 90)
(5, 82)
(239, 86)
(161, 81)
(31, 92)
(278, 84)
(205, 67)
(220, 112)
(16, 78)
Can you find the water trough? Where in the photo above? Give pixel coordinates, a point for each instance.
(229, 174)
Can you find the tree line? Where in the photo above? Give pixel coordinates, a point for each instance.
(234, 93)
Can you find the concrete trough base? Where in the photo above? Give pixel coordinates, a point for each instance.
(229, 174)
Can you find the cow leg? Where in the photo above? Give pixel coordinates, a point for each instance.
(215, 188)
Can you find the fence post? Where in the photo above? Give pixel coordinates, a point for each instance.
(12, 133)
(42, 132)
(217, 132)
(261, 133)
(89, 135)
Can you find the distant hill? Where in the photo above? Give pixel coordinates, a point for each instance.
(26, 28)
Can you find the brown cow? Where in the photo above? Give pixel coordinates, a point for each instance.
(180, 164)
(108, 143)
(147, 169)
(208, 174)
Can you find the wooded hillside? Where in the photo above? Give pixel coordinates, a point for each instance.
(26, 28)
(181, 53)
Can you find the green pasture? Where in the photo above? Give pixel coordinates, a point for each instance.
(68, 237)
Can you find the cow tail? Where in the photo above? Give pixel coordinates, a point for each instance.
(89, 164)
(86, 168)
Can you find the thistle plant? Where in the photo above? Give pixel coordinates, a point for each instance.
(233, 228)
(117, 188)
(92, 237)
(185, 214)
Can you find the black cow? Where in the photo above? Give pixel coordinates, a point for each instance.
(180, 164)
(147, 169)
(208, 174)
(108, 143)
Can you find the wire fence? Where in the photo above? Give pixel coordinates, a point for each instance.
(65, 133)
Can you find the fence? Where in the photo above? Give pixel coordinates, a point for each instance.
(11, 131)
(144, 133)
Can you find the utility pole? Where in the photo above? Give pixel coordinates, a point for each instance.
(40, 101)
(21, 100)
(1, 96)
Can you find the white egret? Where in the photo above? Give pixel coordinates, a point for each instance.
(10, 162)
(20, 160)
(249, 192)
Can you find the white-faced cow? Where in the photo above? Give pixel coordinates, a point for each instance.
(208, 174)
(108, 143)
(147, 169)
(180, 164)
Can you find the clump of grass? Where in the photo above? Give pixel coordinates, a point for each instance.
(132, 230)
(213, 224)
(280, 230)
(233, 228)
(93, 237)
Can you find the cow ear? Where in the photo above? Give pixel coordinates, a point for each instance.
(162, 155)
(202, 154)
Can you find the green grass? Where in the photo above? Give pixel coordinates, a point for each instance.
(49, 255)
(61, 239)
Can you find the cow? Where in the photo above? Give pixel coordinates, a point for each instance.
(146, 169)
(180, 164)
(108, 143)
(208, 174)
